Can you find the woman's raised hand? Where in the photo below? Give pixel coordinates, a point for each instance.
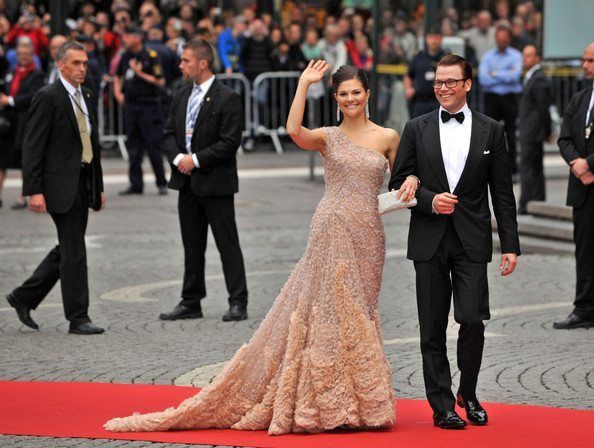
(314, 72)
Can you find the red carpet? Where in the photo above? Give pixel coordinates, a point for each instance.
(80, 409)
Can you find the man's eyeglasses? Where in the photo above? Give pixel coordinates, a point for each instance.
(449, 83)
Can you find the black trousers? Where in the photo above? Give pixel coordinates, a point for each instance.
(66, 262)
(143, 123)
(505, 107)
(532, 177)
(196, 213)
(450, 270)
(583, 233)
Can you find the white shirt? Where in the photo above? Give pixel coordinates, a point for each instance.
(455, 144)
(71, 92)
(204, 87)
(590, 105)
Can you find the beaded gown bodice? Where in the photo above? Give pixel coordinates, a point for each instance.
(316, 362)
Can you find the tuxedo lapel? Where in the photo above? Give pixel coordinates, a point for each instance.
(432, 144)
(206, 104)
(479, 135)
(68, 105)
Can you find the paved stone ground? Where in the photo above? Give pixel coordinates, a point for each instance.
(135, 260)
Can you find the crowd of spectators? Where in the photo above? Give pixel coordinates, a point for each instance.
(246, 41)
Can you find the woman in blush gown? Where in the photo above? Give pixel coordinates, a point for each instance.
(316, 362)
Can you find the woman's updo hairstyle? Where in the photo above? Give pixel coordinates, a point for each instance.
(348, 72)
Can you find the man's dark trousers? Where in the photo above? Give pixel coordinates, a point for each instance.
(66, 262)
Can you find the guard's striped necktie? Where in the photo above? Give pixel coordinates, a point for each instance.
(193, 108)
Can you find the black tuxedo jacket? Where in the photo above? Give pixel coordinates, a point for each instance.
(534, 116)
(487, 167)
(572, 143)
(217, 135)
(52, 150)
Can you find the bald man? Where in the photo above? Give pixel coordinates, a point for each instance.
(576, 143)
(52, 67)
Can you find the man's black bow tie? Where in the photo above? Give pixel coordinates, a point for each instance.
(445, 116)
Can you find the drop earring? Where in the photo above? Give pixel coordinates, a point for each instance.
(367, 109)
(337, 113)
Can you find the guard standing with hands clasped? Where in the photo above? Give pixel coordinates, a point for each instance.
(137, 86)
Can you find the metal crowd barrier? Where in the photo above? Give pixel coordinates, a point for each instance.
(267, 102)
(111, 118)
(111, 114)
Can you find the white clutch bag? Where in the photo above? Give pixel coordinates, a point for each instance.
(387, 202)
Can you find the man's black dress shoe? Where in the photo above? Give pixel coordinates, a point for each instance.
(128, 191)
(85, 328)
(448, 420)
(163, 191)
(574, 321)
(23, 312)
(475, 413)
(181, 312)
(235, 312)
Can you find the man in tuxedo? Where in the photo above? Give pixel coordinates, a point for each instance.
(577, 148)
(62, 175)
(201, 137)
(535, 127)
(458, 155)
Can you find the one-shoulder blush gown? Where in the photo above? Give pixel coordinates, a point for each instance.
(316, 362)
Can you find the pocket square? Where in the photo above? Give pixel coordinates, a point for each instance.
(486, 152)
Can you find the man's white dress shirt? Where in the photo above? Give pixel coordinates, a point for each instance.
(204, 87)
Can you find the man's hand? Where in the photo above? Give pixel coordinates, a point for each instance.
(508, 264)
(444, 203)
(119, 97)
(410, 92)
(37, 203)
(186, 165)
(135, 65)
(4, 100)
(587, 178)
(229, 70)
(579, 167)
(102, 201)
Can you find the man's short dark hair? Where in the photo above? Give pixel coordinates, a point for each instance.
(453, 59)
(202, 50)
(70, 45)
(503, 27)
(538, 52)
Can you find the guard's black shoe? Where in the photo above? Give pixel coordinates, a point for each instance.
(574, 321)
(475, 413)
(235, 312)
(85, 328)
(23, 312)
(181, 312)
(129, 191)
(162, 191)
(448, 420)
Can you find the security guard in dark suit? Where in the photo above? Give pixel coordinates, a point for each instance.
(138, 87)
(418, 82)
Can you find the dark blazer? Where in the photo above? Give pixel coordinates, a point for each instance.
(487, 167)
(52, 149)
(217, 135)
(19, 114)
(572, 143)
(534, 116)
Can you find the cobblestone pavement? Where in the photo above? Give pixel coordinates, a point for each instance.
(135, 267)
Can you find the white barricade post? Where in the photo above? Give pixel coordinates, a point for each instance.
(108, 120)
(240, 84)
